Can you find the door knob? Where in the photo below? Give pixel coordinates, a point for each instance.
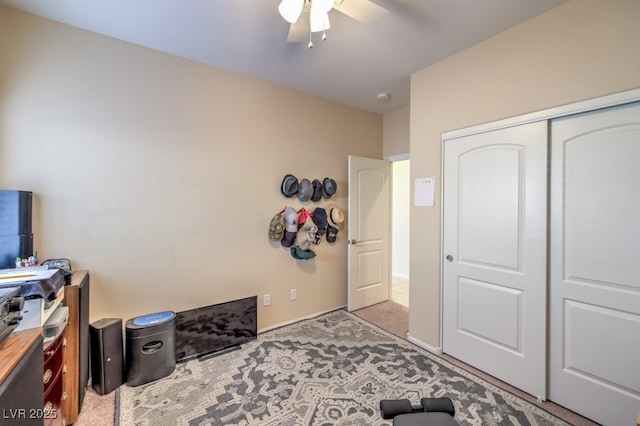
(354, 242)
(449, 258)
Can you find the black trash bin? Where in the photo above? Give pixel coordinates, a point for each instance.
(150, 347)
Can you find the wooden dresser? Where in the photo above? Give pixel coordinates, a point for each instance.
(76, 350)
(44, 382)
(31, 379)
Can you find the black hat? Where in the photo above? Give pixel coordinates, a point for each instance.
(332, 234)
(317, 191)
(319, 217)
(305, 190)
(329, 187)
(289, 186)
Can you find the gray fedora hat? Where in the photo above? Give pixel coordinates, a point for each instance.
(289, 186)
(317, 191)
(329, 187)
(305, 190)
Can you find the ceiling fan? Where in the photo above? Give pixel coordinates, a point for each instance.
(301, 27)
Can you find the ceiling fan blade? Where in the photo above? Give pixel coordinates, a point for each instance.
(299, 31)
(290, 10)
(362, 10)
(319, 21)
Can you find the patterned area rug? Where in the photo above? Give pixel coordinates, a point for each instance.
(330, 370)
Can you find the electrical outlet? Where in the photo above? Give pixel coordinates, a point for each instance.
(293, 294)
(266, 300)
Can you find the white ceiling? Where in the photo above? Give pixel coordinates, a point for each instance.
(352, 66)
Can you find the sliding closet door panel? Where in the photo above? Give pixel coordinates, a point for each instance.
(595, 264)
(494, 242)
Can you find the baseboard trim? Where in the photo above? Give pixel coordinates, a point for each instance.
(282, 324)
(423, 345)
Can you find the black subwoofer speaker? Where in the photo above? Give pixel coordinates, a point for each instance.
(107, 356)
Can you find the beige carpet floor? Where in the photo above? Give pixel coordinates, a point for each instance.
(390, 316)
(97, 410)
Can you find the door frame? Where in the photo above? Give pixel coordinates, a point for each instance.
(373, 292)
(615, 99)
(605, 101)
(393, 159)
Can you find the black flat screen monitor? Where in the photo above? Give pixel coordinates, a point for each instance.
(214, 328)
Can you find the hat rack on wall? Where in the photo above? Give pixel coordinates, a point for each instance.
(300, 230)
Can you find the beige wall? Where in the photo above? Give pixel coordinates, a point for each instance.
(581, 50)
(160, 175)
(396, 133)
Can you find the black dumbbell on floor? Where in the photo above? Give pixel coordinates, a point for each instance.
(431, 411)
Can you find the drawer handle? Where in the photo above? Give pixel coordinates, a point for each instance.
(64, 342)
(49, 353)
(47, 376)
(64, 395)
(47, 408)
(64, 369)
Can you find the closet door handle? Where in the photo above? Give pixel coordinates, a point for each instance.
(449, 258)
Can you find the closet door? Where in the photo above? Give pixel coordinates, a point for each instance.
(495, 251)
(595, 264)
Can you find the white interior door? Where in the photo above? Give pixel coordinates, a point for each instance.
(595, 264)
(494, 249)
(368, 232)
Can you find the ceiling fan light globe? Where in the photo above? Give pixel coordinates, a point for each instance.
(319, 21)
(290, 10)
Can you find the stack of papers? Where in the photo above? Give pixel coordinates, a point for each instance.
(16, 277)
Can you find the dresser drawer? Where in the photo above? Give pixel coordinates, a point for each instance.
(53, 362)
(52, 379)
(51, 348)
(52, 403)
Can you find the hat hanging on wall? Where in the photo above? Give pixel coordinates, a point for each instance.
(276, 227)
(303, 215)
(317, 191)
(298, 253)
(336, 216)
(332, 234)
(290, 227)
(319, 217)
(329, 187)
(306, 234)
(305, 190)
(289, 186)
